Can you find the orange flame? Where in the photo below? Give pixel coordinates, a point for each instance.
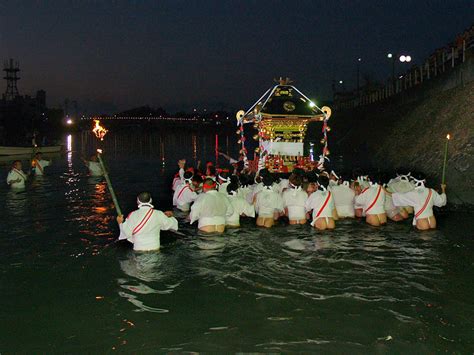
(448, 136)
(99, 131)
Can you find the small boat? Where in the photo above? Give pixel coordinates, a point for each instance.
(9, 151)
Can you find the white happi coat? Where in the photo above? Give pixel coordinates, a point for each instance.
(256, 188)
(281, 185)
(94, 168)
(371, 200)
(344, 198)
(321, 203)
(142, 227)
(183, 197)
(294, 199)
(241, 208)
(422, 199)
(211, 209)
(223, 187)
(400, 185)
(15, 174)
(178, 180)
(40, 165)
(267, 202)
(246, 193)
(390, 209)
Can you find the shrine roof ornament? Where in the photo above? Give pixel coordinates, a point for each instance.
(283, 101)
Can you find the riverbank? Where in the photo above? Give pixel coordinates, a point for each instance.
(409, 131)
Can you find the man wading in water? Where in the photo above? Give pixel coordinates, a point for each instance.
(16, 177)
(211, 209)
(422, 199)
(142, 227)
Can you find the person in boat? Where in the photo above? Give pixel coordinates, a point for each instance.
(240, 206)
(372, 202)
(179, 176)
(294, 200)
(142, 227)
(211, 209)
(268, 203)
(422, 199)
(16, 178)
(38, 164)
(185, 194)
(344, 198)
(223, 180)
(95, 169)
(321, 203)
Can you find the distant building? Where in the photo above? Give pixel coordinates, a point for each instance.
(20, 116)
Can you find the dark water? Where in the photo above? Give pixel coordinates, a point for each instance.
(354, 290)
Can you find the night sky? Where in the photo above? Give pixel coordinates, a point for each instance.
(113, 55)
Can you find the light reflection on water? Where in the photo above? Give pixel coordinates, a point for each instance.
(286, 289)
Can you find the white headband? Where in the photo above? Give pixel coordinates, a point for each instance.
(335, 175)
(294, 186)
(418, 183)
(189, 180)
(140, 203)
(405, 177)
(224, 179)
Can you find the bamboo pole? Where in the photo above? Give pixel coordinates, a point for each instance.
(109, 183)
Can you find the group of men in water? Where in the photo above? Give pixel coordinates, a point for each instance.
(217, 199)
(17, 178)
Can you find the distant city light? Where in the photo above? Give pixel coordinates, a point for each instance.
(403, 58)
(359, 59)
(408, 58)
(340, 81)
(69, 121)
(390, 55)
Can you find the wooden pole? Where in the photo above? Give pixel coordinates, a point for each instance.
(109, 185)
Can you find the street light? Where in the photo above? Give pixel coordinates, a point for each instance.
(340, 81)
(405, 58)
(358, 76)
(389, 55)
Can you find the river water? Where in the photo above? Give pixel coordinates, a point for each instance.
(357, 289)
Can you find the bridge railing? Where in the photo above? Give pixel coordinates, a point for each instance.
(439, 62)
